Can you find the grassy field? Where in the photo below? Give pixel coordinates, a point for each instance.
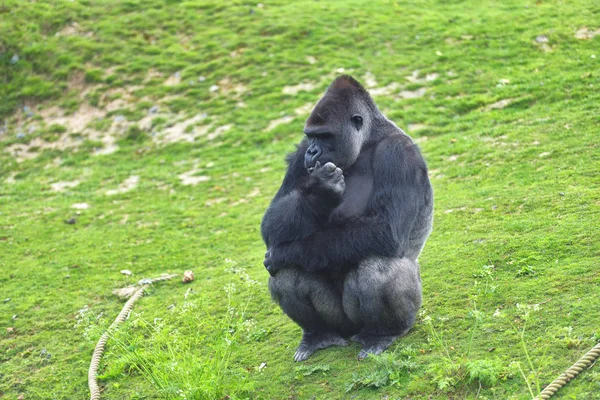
(150, 136)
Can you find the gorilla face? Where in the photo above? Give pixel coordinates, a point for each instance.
(339, 125)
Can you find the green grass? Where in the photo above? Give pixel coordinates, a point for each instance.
(510, 272)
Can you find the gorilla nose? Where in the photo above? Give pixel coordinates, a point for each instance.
(311, 156)
(313, 151)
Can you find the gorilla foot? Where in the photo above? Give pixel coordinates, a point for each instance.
(373, 344)
(312, 342)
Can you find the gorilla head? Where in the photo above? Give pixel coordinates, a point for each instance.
(339, 125)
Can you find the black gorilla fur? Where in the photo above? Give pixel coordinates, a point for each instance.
(344, 231)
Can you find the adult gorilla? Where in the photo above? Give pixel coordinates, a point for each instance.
(344, 231)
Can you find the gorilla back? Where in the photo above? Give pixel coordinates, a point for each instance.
(345, 229)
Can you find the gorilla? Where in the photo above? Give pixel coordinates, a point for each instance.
(345, 229)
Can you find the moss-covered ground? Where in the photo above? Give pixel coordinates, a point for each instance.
(150, 136)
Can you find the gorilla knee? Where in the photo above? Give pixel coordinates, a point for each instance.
(310, 299)
(384, 295)
(284, 283)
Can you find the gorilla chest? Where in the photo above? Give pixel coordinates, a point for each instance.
(359, 188)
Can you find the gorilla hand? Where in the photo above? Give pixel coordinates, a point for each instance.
(268, 265)
(274, 260)
(279, 257)
(328, 179)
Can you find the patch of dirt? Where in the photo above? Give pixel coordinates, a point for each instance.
(63, 185)
(408, 94)
(10, 179)
(212, 202)
(127, 185)
(73, 29)
(301, 87)
(21, 152)
(76, 122)
(414, 77)
(77, 127)
(219, 131)
(385, 90)
(227, 87)
(415, 127)
(153, 74)
(121, 98)
(190, 178)
(499, 105)
(286, 119)
(177, 132)
(369, 80)
(69, 30)
(173, 80)
(279, 121)
(586, 34)
(76, 81)
(305, 109)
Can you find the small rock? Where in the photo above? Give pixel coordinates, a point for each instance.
(71, 221)
(14, 317)
(153, 110)
(10, 330)
(213, 88)
(120, 118)
(14, 59)
(7, 300)
(541, 39)
(201, 79)
(27, 111)
(126, 272)
(188, 276)
(20, 135)
(171, 306)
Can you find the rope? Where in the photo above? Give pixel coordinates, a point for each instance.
(588, 359)
(99, 349)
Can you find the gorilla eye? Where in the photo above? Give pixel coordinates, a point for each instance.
(357, 120)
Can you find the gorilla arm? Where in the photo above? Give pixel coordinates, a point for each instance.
(303, 203)
(400, 189)
(285, 219)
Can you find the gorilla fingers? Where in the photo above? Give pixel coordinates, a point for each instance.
(325, 188)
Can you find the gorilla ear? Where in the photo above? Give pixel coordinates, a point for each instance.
(346, 81)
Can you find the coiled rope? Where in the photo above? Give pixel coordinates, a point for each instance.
(99, 349)
(588, 359)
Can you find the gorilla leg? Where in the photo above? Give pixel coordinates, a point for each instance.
(312, 301)
(383, 296)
